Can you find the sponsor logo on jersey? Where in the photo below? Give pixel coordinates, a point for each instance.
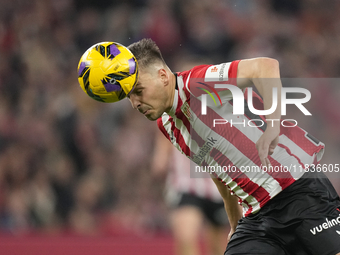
(204, 150)
(326, 225)
(221, 72)
(214, 69)
(217, 73)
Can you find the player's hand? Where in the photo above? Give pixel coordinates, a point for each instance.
(266, 144)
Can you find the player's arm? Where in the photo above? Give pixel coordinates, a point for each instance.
(264, 73)
(233, 209)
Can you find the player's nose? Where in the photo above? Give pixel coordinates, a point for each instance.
(134, 102)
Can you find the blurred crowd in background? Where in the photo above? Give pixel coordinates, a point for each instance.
(69, 163)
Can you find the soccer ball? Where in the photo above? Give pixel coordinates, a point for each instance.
(108, 72)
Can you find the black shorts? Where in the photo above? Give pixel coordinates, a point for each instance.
(304, 219)
(214, 212)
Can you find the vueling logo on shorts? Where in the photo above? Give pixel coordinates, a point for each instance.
(327, 224)
(204, 150)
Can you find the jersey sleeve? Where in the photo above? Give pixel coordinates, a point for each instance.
(203, 78)
(225, 72)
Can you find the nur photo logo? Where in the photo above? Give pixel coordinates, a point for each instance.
(243, 104)
(208, 92)
(238, 99)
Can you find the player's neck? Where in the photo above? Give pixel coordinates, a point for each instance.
(171, 91)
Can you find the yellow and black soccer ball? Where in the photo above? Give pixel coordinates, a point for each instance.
(108, 72)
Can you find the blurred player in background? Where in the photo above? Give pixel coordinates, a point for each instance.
(196, 207)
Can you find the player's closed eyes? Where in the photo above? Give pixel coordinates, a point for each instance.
(139, 92)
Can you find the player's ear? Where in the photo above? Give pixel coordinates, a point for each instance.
(164, 76)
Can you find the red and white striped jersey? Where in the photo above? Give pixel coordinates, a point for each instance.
(232, 147)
